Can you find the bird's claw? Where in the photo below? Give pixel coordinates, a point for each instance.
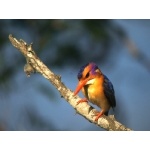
(98, 115)
(82, 100)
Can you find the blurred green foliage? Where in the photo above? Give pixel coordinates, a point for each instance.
(58, 42)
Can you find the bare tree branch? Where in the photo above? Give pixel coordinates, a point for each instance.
(34, 64)
(136, 52)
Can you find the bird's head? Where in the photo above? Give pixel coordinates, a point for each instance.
(87, 75)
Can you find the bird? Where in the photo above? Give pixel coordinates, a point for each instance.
(96, 88)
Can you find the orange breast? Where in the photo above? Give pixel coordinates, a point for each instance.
(95, 93)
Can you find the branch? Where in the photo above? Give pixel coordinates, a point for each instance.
(34, 64)
(136, 52)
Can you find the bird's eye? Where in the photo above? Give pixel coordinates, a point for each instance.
(87, 75)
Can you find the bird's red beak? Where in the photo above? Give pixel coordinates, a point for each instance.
(79, 86)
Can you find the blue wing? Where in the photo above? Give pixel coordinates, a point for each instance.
(109, 92)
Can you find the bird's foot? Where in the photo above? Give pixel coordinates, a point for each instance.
(98, 115)
(82, 100)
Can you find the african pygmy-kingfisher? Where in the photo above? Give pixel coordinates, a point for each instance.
(96, 87)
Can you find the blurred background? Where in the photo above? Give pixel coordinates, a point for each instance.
(119, 47)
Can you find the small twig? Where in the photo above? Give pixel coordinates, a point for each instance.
(34, 64)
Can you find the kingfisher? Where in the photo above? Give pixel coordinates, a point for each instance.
(96, 88)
